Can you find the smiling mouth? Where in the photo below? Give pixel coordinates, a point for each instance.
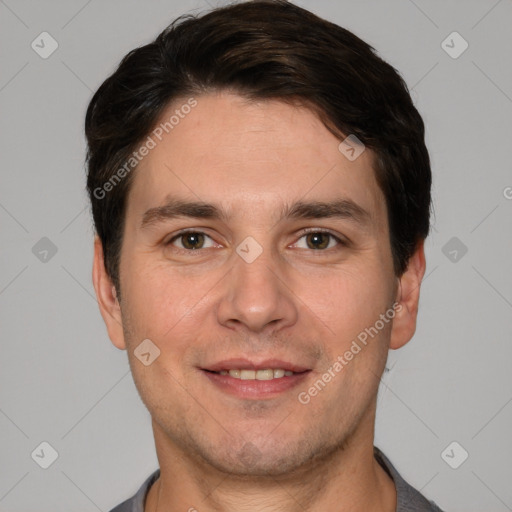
(256, 380)
(265, 374)
(261, 384)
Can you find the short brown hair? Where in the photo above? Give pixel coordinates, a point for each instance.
(263, 49)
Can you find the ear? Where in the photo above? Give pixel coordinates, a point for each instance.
(107, 298)
(407, 299)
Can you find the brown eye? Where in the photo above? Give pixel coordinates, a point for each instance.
(191, 240)
(318, 240)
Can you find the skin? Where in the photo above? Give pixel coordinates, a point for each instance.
(293, 302)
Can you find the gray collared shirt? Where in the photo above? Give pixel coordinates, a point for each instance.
(408, 498)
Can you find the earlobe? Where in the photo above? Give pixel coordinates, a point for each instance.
(107, 297)
(407, 299)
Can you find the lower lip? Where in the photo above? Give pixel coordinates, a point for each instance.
(255, 389)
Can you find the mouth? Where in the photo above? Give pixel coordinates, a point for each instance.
(265, 374)
(250, 380)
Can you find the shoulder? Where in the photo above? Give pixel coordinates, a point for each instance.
(408, 498)
(136, 502)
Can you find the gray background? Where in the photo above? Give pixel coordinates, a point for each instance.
(61, 380)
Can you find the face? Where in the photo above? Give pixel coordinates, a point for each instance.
(252, 245)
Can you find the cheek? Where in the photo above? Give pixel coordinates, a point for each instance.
(167, 307)
(153, 301)
(346, 301)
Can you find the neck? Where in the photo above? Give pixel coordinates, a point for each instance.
(348, 479)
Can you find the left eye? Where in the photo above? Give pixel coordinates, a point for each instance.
(191, 240)
(318, 240)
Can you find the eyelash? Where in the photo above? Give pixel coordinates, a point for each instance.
(303, 233)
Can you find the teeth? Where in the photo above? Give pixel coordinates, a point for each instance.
(264, 374)
(267, 374)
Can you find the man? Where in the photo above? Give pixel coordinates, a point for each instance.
(260, 189)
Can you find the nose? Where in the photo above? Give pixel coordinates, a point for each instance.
(256, 297)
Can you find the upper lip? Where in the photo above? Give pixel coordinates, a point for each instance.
(245, 364)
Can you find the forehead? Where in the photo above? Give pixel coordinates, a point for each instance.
(253, 157)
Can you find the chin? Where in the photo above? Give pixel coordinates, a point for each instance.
(273, 459)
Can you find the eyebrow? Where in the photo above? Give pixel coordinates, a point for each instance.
(174, 208)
